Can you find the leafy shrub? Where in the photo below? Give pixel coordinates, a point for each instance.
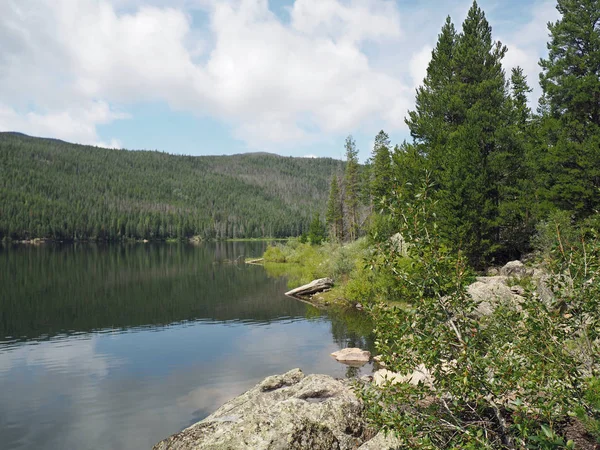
(589, 411)
(274, 254)
(501, 381)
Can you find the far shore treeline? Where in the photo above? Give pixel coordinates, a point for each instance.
(57, 190)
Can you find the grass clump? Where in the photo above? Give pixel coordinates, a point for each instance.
(349, 265)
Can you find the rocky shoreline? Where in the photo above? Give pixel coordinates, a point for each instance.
(298, 411)
(289, 411)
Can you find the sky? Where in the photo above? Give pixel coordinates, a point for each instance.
(200, 77)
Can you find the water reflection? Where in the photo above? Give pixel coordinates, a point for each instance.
(118, 347)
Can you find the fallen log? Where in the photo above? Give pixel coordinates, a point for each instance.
(315, 286)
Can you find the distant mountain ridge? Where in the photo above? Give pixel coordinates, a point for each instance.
(54, 189)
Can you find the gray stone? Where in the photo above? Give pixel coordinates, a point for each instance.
(515, 269)
(420, 375)
(542, 286)
(493, 271)
(489, 292)
(381, 441)
(352, 355)
(290, 411)
(315, 286)
(519, 290)
(401, 246)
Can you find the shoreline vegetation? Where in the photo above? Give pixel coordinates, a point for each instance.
(512, 360)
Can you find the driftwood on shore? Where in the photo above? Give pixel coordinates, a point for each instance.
(315, 286)
(255, 261)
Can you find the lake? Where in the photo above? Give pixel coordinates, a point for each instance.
(119, 346)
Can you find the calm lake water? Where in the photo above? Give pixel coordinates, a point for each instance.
(117, 347)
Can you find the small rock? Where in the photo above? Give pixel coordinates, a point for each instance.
(359, 306)
(381, 441)
(383, 376)
(352, 355)
(278, 381)
(493, 271)
(379, 361)
(489, 292)
(519, 290)
(420, 375)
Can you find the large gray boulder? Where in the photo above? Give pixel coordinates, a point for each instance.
(489, 292)
(515, 269)
(290, 411)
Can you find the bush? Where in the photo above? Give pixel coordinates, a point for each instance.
(274, 254)
(501, 381)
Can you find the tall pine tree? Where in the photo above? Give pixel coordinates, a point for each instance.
(381, 169)
(432, 120)
(462, 124)
(351, 191)
(570, 80)
(335, 214)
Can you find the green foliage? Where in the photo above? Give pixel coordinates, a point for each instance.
(352, 187)
(503, 380)
(570, 79)
(335, 212)
(57, 190)
(589, 412)
(381, 182)
(316, 232)
(349, 265)
(465, 135)
(274, 254)
(368, 283)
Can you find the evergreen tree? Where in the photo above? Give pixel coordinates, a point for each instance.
(334, 216)
(316, 232)
(517, 202)
(432, 120)
(462, 125)
(570, 80)
(519, 92)
(381, 168)
(408, 166)
(351, 191)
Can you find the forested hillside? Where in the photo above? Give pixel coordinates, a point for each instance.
(53, 189)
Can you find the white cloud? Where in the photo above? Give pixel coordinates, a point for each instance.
(354, 21)
(418, 65)
(337, 66)
(77, 124)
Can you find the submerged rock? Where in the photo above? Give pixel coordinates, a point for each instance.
(289, 411)
(313, 287)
